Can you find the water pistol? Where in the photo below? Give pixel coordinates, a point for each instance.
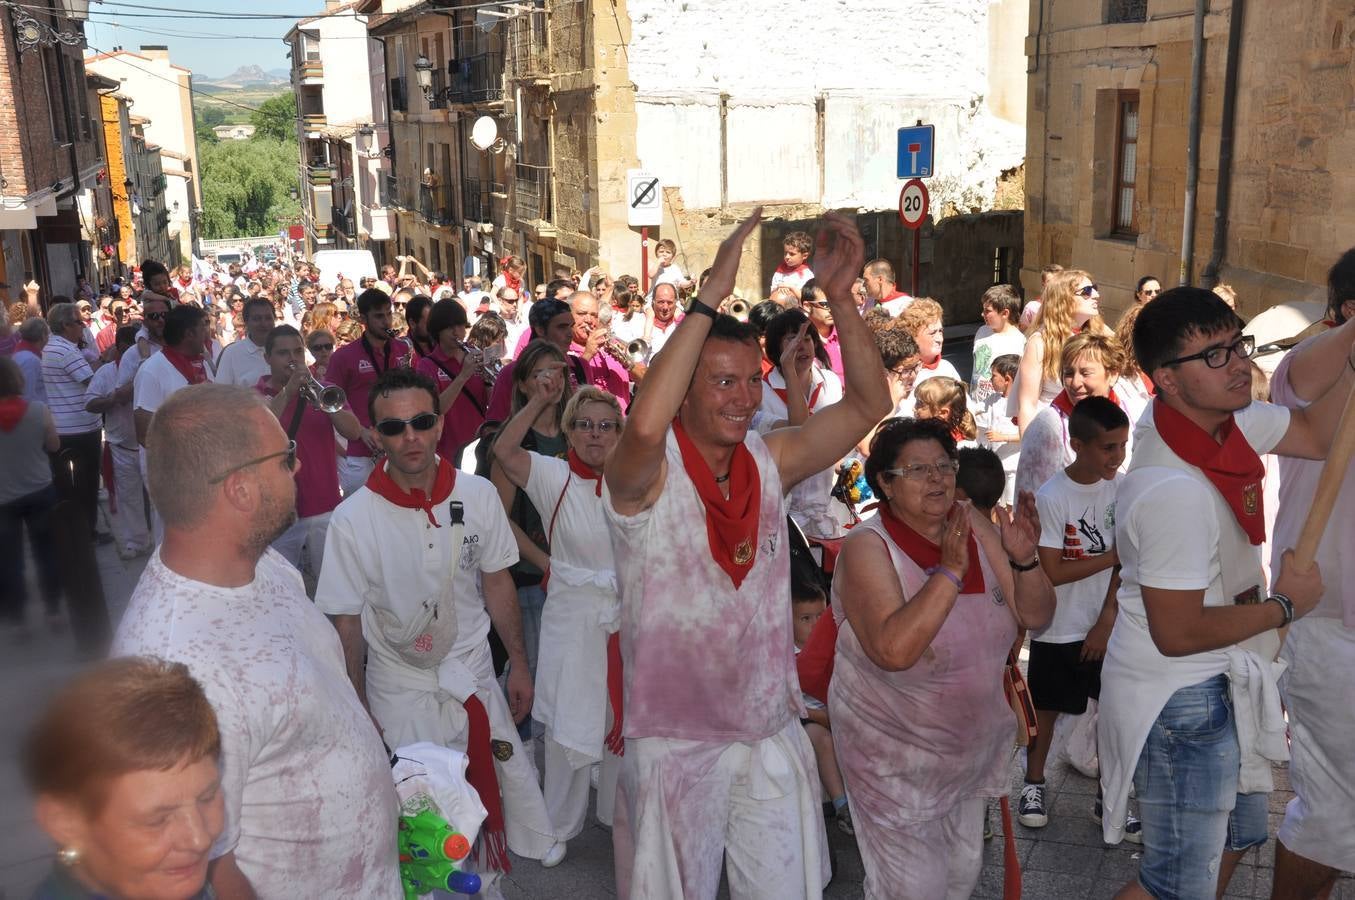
(430, 850)
(851, 487)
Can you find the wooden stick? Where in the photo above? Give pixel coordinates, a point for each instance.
(1328, 487)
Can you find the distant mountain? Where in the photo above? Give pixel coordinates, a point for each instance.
(247, 77)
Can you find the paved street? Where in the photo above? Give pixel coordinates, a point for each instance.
(1066, 859)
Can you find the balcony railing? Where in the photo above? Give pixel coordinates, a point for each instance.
(435, 203)
(532, 186)
(475, 196)
(342, 222)
(528, 57)
(478, 78)
(313, 119)
(437, 93)
(402, 191)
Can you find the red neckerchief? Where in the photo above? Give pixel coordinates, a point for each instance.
(1330, 323)
(893, 296)
(1148, 384)
(957, 435)
(1064, 404)
(933, 365)
(662, 326)
(380, 483)
(190, 367)
(731, 524)
(509, 279)
(926, 554)
(767, 366)
(781, 392)
(31, 348)
(481, 775)
(1232, 466)
(782, 270)
(585, 471)
(12, 409)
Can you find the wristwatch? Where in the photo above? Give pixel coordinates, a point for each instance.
(1024, 568)
(1285, 604)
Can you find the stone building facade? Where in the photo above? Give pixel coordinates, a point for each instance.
(1109, 144)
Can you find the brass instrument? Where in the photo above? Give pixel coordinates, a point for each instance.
(638, 350)
(739, 309)
(326, 398)
(629, 355)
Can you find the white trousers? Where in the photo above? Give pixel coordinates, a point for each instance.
(129, 522)
(353, 472)
(567, 788)
(305, 533)
(685, 808)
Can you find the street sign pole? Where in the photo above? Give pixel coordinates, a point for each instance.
(917, 251)
(644, 258)
(914, 202)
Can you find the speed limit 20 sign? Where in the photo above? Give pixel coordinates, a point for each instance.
(914, 202)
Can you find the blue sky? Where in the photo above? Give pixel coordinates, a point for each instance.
(211, 47)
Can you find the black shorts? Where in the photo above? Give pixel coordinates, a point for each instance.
(1058, 681)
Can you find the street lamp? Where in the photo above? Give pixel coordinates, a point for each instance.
(367, 141)
(423, 73)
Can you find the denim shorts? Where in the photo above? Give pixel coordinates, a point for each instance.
(1186, 782)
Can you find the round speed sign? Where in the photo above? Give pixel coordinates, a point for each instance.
(914, 202)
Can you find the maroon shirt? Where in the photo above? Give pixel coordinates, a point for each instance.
(317, 479)
(355, 368)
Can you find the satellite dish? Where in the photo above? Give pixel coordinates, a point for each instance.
(484, 133)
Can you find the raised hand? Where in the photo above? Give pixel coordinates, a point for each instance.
(839, 256)
(955, 541)
(1020, 528)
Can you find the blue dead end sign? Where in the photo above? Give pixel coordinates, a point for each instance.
(916, 146)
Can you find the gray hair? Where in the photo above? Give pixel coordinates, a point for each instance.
(61, 315)
(34, 330)
(199, 432)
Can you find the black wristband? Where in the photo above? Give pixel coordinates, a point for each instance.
(700, 309)
(1033, 564)
(1286, 605)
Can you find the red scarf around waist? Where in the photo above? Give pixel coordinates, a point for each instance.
(926, 554)
(1064, 404)
(381, 484)
(192, 368)
(585, 471)
(481, 775)
(1232, 466)
(732, 523)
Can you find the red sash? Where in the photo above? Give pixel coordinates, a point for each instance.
(380, 483)
(584, 471)
(1232, 466)
(191, 368)
(481, 775)
(926, 554)
(731, 524)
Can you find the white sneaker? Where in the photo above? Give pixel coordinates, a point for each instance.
(554, 856)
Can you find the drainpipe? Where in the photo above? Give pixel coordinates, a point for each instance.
(1222, 206)
(1193, 145)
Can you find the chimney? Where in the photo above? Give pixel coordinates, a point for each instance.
(155, 51)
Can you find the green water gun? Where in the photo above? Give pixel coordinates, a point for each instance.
(430, 850)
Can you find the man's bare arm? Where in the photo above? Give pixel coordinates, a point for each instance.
(354, 652)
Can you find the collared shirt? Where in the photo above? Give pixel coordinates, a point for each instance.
(355, 368)
(119, 427)
(833, 347)
(317, 478)
(30, 364)
(65, 373)
(242, 362)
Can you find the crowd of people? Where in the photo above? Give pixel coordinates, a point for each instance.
(753, 571)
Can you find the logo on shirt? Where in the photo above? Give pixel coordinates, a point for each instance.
(365, 366)
(998, 598)
(1084, 539)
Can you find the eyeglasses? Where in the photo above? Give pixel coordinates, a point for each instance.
(588, 426)
(289, 462)
(321, 348)
(1217, 357)
(396, 427)
(155, 317)
(904, 374)
(1151, 292)
(815, 304)
(1087, 290)
(924, 471)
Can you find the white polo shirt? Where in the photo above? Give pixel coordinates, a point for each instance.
(242, 362)
(119, 427)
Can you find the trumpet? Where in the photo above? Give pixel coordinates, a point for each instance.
(629, 355)
(326, 398)
(739, 309)
(638, 350)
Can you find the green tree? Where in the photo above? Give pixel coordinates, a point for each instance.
(204, 133)
(276, 118)
(245, 185)
(211, 116)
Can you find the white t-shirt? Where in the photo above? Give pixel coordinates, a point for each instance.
(988, 346)
(156, 380)
(119, 427)
(242, 363)
(943, 367)
(393, 558)
(131, 361)
(310, 804)
(1079, 520)
(673, 275)
(992, 416)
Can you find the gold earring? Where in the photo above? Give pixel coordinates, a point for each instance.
(69, 856)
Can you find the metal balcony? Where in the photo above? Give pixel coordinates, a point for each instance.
(477, 78)
(475, 196)
(532, 186)
(435, 203)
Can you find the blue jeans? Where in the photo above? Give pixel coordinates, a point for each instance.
(1186, 783)
(34, 512)
(531, 600)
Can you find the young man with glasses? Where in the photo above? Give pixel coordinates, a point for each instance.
(416, 568)
(820, 314)
(1190, 714)
(309, 802)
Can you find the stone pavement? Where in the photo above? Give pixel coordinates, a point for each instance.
(1066, 859)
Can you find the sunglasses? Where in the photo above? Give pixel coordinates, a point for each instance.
(289, 461)
(321, 348)
(1087, 290)
(396, 427)
(155, 317)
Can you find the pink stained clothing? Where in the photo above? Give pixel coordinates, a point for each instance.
(466, 413)
(317, 477)
(1298, 485)
(355, 368)
(601, 371)
(914, 744)
(703, 661)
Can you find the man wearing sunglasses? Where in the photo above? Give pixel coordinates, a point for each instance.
(416, 568)
(1189, 707)
(301, 760)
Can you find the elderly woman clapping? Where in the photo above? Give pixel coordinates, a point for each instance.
(929, 596)
(124, 768)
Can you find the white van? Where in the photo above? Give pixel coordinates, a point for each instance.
(351, 264)
(226, 256)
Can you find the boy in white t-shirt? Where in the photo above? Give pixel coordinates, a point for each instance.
(1077, 551)
(997, 431)
(666, 270)
(997, 336)
(794, 270)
